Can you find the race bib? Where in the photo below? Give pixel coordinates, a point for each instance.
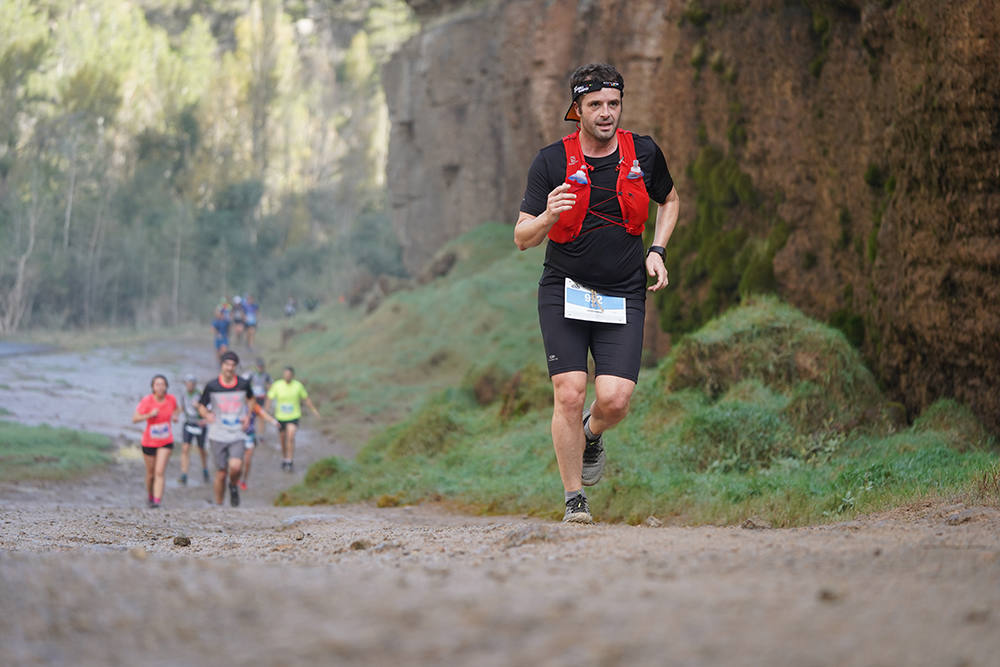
(286, 408)
(193, 430)
(159, 431)
(583, 303)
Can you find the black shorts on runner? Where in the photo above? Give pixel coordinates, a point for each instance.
(283, 424)
(616, 348)
(197, 438)
(151, 451)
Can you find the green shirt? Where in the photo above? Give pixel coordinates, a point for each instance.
(287, 397)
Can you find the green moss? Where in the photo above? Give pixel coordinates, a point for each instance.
(875, 176)
(698, 54)
(851, 324)
(695, 14)
(844, 220)
(718, 259)
(819, 29)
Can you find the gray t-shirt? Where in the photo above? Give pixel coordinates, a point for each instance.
(229, 405)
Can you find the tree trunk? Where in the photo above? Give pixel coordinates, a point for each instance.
(68, 219)
(93, 252)
(175, 296)
(16, 302)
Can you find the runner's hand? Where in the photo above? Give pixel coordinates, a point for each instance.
(560, 199)
(656, 269)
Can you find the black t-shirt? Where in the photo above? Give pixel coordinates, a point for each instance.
(604, 256)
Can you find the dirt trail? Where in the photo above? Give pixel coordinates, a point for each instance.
(89, 576)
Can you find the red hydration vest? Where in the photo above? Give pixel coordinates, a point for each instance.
(631, 192)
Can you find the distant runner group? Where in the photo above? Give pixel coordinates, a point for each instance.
(221, 418)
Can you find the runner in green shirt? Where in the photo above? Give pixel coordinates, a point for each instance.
(287, 395)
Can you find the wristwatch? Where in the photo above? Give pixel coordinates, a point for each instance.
(659, 250)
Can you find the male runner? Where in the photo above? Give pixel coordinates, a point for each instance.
(252, 309)
(288, 394)
(226, 403)
(260, 382)
(588, 194)
(194, 429)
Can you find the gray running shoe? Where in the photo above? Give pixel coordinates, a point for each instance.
(577, 510)
(593, 457)
(234, 495)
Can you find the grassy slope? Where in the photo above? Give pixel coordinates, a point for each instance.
(43, 452)
(761, 412)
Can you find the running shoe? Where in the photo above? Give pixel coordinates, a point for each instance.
(593, 457)
(243, 485)
(577, 510)
(184, 479)
(204, 473)
(291, 466)
(154, 505)
(150, 503)
(234, 495)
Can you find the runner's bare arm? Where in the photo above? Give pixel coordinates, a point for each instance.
(311, 406)
(206, 414)
(138, 416)
(531, 230)
(260, 411)
(666, 220)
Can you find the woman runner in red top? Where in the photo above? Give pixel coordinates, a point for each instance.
(157, 409)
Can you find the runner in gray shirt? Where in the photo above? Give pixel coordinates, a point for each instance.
(223, 405)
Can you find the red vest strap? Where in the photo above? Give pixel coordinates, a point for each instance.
(631, 189)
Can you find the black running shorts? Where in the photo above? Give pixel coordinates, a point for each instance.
(151, 451)
(616, 348)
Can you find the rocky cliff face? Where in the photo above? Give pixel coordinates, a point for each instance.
(868, 133)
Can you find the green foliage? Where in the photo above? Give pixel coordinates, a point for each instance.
(720, 256)
(695, 14)
(152, 149)
(698, 54)
(761, 412)
(819, 30)
(851, 324)
(875, 176)
(43, 452)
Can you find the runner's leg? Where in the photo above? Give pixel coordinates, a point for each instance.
(200, 441)
(162, 457)
(185, 458)
(290, 430)
(150, 461)
(570, 390)
(614, 395)
(247, 459)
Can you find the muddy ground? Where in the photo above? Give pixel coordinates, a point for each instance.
(89, 576)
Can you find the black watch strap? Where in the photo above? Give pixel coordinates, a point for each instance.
(658, 249)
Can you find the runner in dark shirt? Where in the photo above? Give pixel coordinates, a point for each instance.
(594, 256)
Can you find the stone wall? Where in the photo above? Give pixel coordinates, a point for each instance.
(870, 128)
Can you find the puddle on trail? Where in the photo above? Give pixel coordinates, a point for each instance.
(95, 390)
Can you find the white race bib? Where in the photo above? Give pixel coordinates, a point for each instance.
(193, 430)
(583, 303)
(159, 431)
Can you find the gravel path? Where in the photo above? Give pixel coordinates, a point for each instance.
(89, 576)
